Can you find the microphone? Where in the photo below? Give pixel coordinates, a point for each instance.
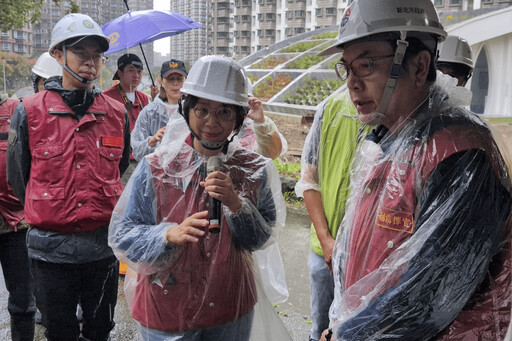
(214, 210)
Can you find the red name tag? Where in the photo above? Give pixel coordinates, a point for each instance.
(395, 220)
(112, 141)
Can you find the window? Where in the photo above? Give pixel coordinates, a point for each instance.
(438, 2)
(260, 2)
(288, 31)
(270, 33)
(237, 18)
(224, 4)
(318, 12)
(19, 48)
(246, 18)
(455, 2)
(5, 46)
(222, 49)
(222, 34)
(289, 14)
(299, 30)
(245, 48)
(246, 33)
(330, 11)
(270, 1)
(300, 14)
(223, 19)
(260, 16)
(270, 16)
(260, 33)
(258, 47)
(235, 34)
(245, 3)
(235, 49)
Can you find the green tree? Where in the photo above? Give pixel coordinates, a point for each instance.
(17, 71)
(18, 13)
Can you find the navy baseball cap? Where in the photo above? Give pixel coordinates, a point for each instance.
(128, 59)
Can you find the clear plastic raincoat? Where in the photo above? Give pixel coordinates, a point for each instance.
(153, 117)
(424, 251)
(207, 289)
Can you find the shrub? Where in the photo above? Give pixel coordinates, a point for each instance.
(312, 92)
(270, 62)
(305, 62)
(269, 86)
(326, 35)
(301, 47)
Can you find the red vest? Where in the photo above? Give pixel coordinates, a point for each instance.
(74, 179)
(385, 220)
(141, 100)
(10, 207)
(211, 282)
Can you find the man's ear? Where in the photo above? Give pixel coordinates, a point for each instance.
(59, 56)
(421, 65)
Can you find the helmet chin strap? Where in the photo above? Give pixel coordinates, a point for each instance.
(396, 69)
(71, 72)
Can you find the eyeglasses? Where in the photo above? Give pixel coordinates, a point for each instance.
(83, 56)
(223, 113)
(361, 67)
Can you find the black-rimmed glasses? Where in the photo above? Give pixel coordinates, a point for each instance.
(361, 67)
(83, 56)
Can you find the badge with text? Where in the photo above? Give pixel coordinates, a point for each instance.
(395, 220)
(112, 141)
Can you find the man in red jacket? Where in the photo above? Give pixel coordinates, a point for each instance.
(68, 146)
(129, 74)
(13, 247)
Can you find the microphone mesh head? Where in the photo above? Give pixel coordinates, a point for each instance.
(214, 164)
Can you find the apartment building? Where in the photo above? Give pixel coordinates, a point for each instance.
(191, 45)
(35, 39)
(17, 41)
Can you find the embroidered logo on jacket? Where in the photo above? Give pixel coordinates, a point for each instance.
(395, 220)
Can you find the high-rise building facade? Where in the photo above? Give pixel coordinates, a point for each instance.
(35, 39)
(256, 24)
(191, 45)
(17, 41)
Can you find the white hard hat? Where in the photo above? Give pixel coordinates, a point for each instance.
(364, 18)
(46, 66)
(249, 87)
(77, 25)
(455, 50)
(219, 79)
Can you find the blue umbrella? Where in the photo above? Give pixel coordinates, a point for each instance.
(140, 27)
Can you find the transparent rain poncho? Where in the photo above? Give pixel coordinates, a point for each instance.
(154, 116)
(424, 248)
(220, 286)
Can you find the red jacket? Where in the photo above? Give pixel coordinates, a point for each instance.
(74, 179)
(10, 207)
(387, 204)
(141, 100)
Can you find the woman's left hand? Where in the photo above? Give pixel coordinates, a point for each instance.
(219, 186)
